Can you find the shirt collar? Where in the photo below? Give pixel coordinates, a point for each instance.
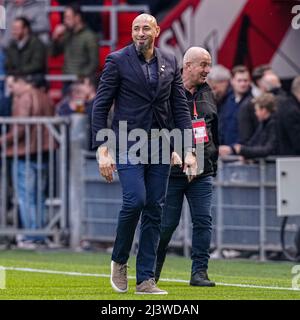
(142, 58)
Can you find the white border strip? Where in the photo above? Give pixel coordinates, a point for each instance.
(102, 275)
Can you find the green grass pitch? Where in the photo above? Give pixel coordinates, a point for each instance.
(270, 280)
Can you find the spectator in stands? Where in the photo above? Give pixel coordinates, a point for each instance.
(270, 82)
(90, 89)
(6, 100)
(75, 102)
(231, 111)
(90, 85)
(289, 122)
(257, 75)
(35, 12)
(29, 102)
(80, 100)
(265, 81)
(93, 19)
(78, 44)
(247, 119)
(26, 54)
(219, 81)
(264, 142)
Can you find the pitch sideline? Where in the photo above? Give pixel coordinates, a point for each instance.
(99, 275)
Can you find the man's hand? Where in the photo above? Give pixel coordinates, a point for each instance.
(224, 151)
(58, 32)
(237, 148)
(106, 163)
(176, 160)
(190, 166)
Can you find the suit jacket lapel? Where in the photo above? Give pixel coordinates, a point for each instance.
(161, 69)
(134, 61)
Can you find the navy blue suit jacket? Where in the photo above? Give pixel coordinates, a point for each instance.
(123, 82)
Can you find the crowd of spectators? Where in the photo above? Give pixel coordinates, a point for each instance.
(26, 47)
(257, 118)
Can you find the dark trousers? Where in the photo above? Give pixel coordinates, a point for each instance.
(199, 196)
(144, 190)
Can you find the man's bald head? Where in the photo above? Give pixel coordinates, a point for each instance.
(193, 54)
(196, 66)
(145, 17)
(270, 81)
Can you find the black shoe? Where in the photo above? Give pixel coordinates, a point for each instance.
(200, 279)
(158, 271)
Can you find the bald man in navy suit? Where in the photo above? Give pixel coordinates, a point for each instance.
(146, 88)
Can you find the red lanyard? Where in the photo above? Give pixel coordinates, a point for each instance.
(195, 110)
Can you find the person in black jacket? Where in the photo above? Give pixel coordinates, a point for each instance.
(289, 121)
(235, 123)
(196, 66)
(26, 54)
(264, 142)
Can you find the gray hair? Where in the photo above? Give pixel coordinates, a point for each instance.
(193, 54)
(219, 73)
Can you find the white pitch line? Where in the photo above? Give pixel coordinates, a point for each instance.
(102, 275)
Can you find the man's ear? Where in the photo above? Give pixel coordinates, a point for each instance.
(157, 31)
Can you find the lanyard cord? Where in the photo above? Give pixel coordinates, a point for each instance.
(195, 110)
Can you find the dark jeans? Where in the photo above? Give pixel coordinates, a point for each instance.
(199, 196)
(144, 190)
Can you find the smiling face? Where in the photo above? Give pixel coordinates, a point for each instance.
(144, 32)
(198, 67)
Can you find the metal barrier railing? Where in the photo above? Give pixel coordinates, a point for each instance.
(258, 183)
(34, 175)
(53, 77)
(243, 209)
(244, 204)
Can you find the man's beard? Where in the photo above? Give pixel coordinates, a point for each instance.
(142, 48)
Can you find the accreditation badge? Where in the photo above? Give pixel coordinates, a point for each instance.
(200, 131)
